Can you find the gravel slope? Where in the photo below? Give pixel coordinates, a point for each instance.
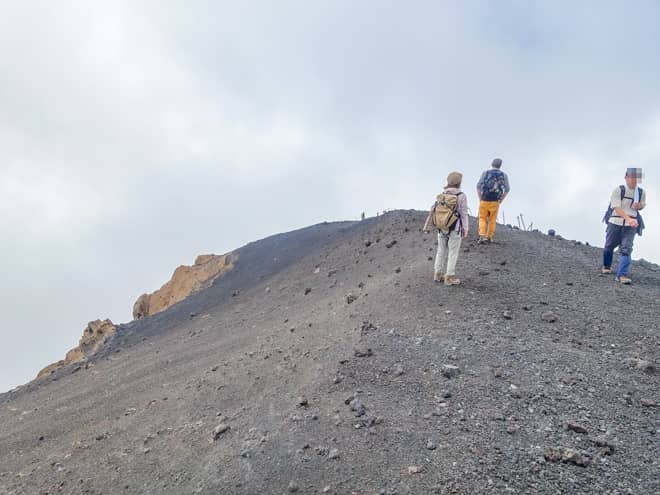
(413, 387)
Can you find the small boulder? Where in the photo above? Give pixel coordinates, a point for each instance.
(358, 407)
(450, 371)
(569, 426)
(362, 351)
(549, 317)
(567, 456)
(219, 430)
(640, 364)
(606, 447)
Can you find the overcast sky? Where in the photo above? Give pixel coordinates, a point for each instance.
(136, 134)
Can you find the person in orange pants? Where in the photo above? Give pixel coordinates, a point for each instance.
(488, 211)
(492, 188)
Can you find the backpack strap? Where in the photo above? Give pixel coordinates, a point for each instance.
(458, 214)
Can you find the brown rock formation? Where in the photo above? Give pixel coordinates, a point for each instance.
(94, 336)
(184, 281)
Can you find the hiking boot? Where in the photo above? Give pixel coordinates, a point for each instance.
(606, 271)
(624, 279)
(482, 240)
(452, 280)
(438, 277)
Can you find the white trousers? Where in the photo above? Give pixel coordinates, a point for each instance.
(449, 244)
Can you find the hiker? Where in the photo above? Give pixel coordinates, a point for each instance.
(449, 215)
(492, 188)
(623, 222)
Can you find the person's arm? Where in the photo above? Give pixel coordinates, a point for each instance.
(480, 184)
(642, 202)
(632, 222)
(463, 212)
(507, 188)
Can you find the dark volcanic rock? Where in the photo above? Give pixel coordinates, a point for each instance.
(576, 428)
(495, 426)
(566, 455)
(358, 407)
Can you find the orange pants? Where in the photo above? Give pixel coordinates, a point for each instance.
(488, 218)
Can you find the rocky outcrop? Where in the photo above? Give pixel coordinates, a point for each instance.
(185, 281)
(94, 336)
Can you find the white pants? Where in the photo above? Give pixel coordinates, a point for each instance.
(449, 244)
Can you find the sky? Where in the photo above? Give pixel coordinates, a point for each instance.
(135, 135)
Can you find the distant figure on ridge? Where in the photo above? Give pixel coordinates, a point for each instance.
(449, 215)
(362, 217)
(492, 188)
(623, 222)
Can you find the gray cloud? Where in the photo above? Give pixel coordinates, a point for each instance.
(136, 135)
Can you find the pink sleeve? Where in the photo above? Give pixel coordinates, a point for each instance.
(463, 210)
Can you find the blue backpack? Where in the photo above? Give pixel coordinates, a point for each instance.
(494, 186)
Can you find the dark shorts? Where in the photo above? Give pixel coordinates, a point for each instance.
(621, 237)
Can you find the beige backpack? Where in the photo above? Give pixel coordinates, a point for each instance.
(445, 211)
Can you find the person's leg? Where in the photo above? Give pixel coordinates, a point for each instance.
(483, 218)
(454, 247)
(493, 210)
(612, 240)
(441, 254)
(625, 251)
